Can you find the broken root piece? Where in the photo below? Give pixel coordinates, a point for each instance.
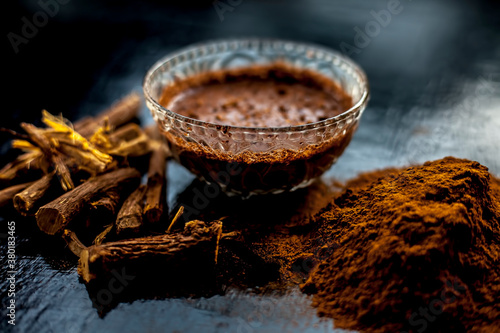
(73, 242)
(155, 198)
(30, 199)
(7, 194)
(118, 114)
(129, 219)
(197, 242)
(56, 215)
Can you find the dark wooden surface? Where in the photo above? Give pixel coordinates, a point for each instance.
(434, 72)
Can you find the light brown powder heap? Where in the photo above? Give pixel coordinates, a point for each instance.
(417, 250)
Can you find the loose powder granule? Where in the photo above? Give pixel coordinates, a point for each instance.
(417, 250)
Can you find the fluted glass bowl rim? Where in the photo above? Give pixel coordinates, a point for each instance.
(357, 105)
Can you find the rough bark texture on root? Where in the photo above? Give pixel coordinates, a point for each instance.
(198, 240)
(103, 211)
(107, 203)
(74, 244)
(40, 192)
(121, 112)
(155, 200)
(129, 219)
(130, 140)
(27, 166)
(56, 215)
(24, 168)
(52, 155)
(127, 132)
(7, 194)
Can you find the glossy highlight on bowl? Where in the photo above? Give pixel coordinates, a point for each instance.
(256, 160)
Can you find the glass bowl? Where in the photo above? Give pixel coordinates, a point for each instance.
(256, 160)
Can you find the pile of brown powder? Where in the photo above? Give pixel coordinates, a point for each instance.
(417, 250)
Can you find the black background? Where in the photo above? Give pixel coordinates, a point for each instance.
(434, 73)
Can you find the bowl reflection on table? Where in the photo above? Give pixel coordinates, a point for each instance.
(256, 160)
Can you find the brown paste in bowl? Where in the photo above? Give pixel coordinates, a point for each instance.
(275, 95)
(260, 96)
